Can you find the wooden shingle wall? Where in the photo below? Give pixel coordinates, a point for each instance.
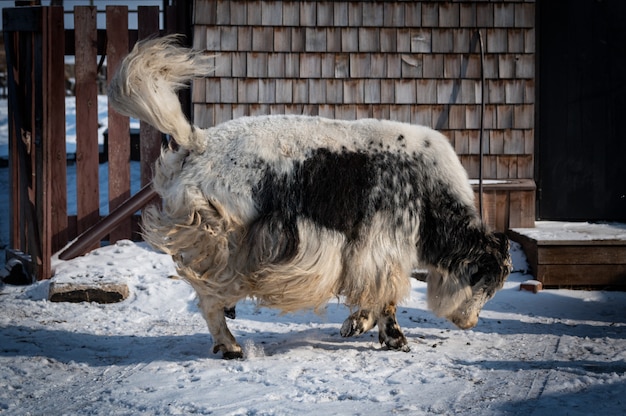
(412, 61)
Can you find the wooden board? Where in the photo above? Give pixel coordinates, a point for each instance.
(575, 254)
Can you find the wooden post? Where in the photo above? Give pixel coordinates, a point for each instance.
(119, 136)
(87, 183)
(149, 137)
(53, 175)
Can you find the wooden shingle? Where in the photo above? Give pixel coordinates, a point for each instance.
(223, 65)
(432, 65)
(504, 116)
(239, 67)
(267, 91)
(334, 91)
(371, 91)
(405, 91)
(340, 14)
(271, 13)
(244, 38)
(254, 15)
(421, 41)
(308, 13)
(238, 11)
(378, 65)
(388, 40)
(298, 39)
(457, 120)
(222, 13)
(449, 14)
(393, 14)
(507, 65)
(515, 41)
(342, 66)
(262, 39)
(524, 15)
(276, 65)
(353, 91)
(426, 91)
(228, 38)
(284, 90)
(504, 15)
(442, 41)
(282, 39)
(514, 91)
(496, 41)
(325, 12)
(256, 65)
(523, 117)
(421, 114)
(315, 39)
(247, 90)
(355, 14)
(333, 39)
(513, 142)
(484, 14)
(227, 89)
(292, 65)
(369, 40)
(291, 13)
(411, 66)
(310, 65)
(524, 66)
(412, 13)
(467, 15)
(349, 39)
(430, 14)
(373, 13)
(317, 91)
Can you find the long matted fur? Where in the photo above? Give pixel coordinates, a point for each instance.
(295, 210)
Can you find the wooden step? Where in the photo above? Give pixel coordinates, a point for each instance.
(569, 254)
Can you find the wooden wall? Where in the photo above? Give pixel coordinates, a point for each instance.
(413, 61)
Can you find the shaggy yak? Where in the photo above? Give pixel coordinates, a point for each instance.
(296, 210)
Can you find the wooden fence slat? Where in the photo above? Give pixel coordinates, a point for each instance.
(86, 72)
(53, 130)
(119, 150)
(150, 137)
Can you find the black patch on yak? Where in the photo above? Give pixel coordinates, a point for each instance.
(342, 191)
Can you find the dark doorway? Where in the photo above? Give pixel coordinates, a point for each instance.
(580, 146)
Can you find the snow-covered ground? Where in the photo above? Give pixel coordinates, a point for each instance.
(555, 352)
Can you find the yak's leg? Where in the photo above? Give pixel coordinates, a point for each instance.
(389, 331)
(223, 340)
(359, 322)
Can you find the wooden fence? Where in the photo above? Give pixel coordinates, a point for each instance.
(36, 42)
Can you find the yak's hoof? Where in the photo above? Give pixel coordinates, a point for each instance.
(357, 323)
(228, 354)
(232, 355)
(230, 313)
(397, 342)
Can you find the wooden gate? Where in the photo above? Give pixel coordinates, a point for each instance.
(36, 42)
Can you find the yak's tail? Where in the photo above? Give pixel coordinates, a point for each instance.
(146, 83)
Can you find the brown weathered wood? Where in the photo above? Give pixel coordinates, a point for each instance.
(54, 174)
(149, 137)
(119, 137)
(87, 183)
(589, 254)
(565, 275)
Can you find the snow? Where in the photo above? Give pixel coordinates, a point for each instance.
(557, 351)
(558, 232)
